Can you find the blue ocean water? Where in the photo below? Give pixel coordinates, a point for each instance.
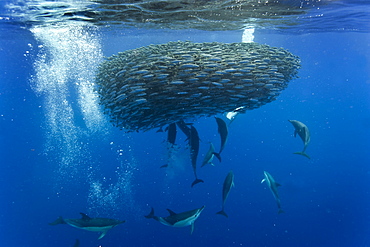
(60, 155)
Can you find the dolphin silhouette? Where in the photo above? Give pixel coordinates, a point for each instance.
(223, 131)
(178, 220)
(228, 183)
(171, 133)
(273, 187)
(194, 150)
(102, 225)
(303, 132)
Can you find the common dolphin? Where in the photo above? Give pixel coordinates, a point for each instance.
(178, 220)
(273, 187)
(208, 158)
(233, 114)
(303, 132)
(223, 131)
(228, 183)
(171, 138)
(194, 150)
(184, 128)
(171, 133)
(102, 225)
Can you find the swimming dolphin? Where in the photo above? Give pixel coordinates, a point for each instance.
(273, 187)
(194, 150)
(228, 183)
(303, 132)
(171, 133)
(184, 128)
(178, 220)
(102, 225)
(223, 131)
(208, 158)
(233, 114)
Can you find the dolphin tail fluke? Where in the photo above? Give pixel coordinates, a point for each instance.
(150, 215)
(303, 154)
(222, 212)
(280, 211)
(197, 180)
(218, 156)
(58, 221)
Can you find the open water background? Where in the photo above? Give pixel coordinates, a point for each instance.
(59, 154)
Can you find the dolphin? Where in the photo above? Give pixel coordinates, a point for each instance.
(171, 133)
(273, 187)
(178, 220)
(184, 128)
(102, 225)
(233, 114)
(208, 158)
(194, 150)
(171, 138)
(228, 183)
(223, 131)
(303, 132)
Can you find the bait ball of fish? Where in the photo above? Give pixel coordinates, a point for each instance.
(155, 85)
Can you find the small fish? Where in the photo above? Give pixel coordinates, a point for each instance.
(303, 132)
(273, 187)
(178, 220)
(228, 183)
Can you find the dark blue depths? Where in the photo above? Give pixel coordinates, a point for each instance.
(325, 199)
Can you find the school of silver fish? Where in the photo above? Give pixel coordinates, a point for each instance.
(156, 85)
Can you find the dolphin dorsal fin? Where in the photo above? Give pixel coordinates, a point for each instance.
(85, 216)
(171, 212)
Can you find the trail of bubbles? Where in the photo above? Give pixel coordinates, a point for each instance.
(64, 74)
(64, 70)
(107, 197)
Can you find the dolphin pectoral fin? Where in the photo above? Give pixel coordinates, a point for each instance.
(103, 234)
(303, 154)
(197, 180)
(192, 228)
(222, 212)
(212, 164)
(280, 211)
(58, 221)
(295, 133)
(263, 180)
(277, 184)
(166, 165)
